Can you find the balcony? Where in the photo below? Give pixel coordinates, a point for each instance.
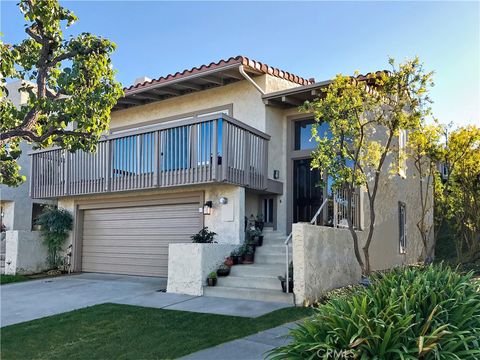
(201, 150)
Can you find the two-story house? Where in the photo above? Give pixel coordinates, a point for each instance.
(211, 146)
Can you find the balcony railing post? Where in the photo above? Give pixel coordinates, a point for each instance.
(156, 157)
(108, 170)
(246, 165)
(224, 150)
(32, 176)
(66, 175)
(214, 164)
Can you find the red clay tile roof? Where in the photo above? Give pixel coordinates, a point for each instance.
(240, 60)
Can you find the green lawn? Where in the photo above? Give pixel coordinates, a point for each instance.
(7, 279)
(111, 331)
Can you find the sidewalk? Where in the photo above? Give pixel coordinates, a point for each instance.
(253, 347)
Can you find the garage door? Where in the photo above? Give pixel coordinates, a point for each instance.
(134, 240)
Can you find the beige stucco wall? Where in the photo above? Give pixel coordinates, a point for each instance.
(323, 259)
(190, 264)
(247, 106)
(25, 252)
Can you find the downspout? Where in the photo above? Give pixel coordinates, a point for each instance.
(250, 80)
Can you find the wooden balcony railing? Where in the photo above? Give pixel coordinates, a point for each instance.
(199, 150)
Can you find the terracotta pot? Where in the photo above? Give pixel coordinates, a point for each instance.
(229, 261)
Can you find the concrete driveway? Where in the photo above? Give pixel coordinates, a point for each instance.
(39, 298)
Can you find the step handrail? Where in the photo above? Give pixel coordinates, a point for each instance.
(289, 238)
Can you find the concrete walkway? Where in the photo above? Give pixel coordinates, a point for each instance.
(45, 297)
(253, 347)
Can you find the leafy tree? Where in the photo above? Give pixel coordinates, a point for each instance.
(365, 115)
(457, 197)
(423, 148)
(70, 83)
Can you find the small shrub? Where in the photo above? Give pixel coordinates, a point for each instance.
(204, 236)
(408, 313)
(55, 227)
(212, 275)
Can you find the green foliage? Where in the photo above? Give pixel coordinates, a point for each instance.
(423, 148)
(457, 197)
(67, 79)
(212, 275)
(365, 115)
(204, 236)
(56, 225)
(408, 313)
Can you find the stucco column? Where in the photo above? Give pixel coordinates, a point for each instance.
(298, 257)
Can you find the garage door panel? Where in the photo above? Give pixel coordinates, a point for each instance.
(134, 240)
(185, 231)
(128, 224)
(151, 240)
(132, 260)
(141, 215)
(127, 269)
(125, 251)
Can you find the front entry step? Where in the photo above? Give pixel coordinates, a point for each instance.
(258, 281)
(248, 294)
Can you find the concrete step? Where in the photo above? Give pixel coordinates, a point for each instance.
(269, 259)
(257, 270)
(248, 294)
(253, 282)
(268, 250)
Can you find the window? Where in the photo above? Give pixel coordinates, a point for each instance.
(37, 210)
(303, 133)
(402, 223)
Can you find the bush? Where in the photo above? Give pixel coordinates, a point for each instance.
(204, 236)
(408, 313)
(55, 226)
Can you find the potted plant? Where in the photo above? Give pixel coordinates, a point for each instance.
(290, 279)
(259, 222)
(223, 270)
(204, 236)
(212, 279)
(249, 256)
(237, 256)
(229, 261)
(255, 237)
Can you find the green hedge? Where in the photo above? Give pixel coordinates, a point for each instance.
(408, 313)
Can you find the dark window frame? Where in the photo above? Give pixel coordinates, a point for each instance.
(402, 227)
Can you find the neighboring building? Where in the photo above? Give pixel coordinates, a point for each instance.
(208, 147)
(21, 245)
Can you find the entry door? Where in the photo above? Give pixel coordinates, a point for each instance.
(268, 210)
(307, 191)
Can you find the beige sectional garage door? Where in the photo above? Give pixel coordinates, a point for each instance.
(134, 240)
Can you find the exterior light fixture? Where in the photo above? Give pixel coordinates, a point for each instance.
(276, 174)
(207, 208)
(223, 200)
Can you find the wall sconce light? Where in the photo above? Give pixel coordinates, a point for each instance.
(276, 174)
(207, 208)
(223, 200)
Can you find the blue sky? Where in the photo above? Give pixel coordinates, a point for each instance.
(311, 39)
